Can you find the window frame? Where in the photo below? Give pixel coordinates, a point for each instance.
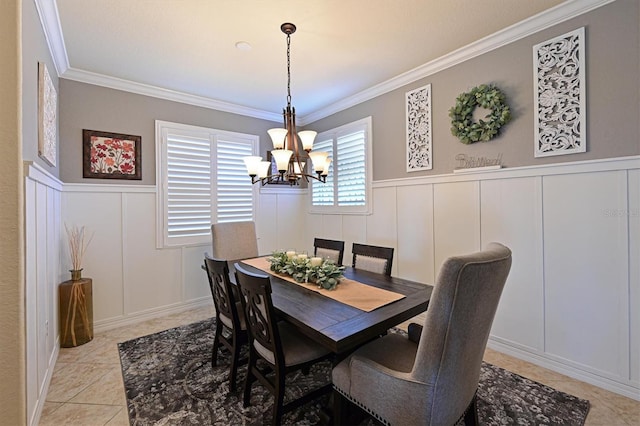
(365, 125)
(162, 130)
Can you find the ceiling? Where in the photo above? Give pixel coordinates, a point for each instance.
(340, 49)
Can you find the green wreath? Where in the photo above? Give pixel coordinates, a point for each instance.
(486, 96)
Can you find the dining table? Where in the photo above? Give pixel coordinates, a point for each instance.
(338, 326)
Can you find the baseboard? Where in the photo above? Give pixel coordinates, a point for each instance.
(137, 317)
(620, 388)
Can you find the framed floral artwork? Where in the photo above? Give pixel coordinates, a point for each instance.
(111, 155)
(47, 116)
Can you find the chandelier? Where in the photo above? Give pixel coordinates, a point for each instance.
(291, 149)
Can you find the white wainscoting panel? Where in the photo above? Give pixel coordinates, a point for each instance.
(511, 213)
(43, 303)
(42, 276)
(327, 226)
(415, 249)
(381, 224)
(195, 284)
(354, 230)
(31, 296)
(54, 237)
(151, 277)
(456, 219)
(633, 214)
(266, 223)
(291, 222)
(101, 214)
(570, 303)
(586, 271)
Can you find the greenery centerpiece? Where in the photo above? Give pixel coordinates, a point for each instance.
(323, 272)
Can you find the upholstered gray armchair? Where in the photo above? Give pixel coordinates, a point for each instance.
(434, 381)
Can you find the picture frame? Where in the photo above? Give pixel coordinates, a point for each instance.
(47, 116)
(107, 155)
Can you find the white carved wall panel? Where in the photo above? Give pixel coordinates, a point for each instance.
(419, 135)
(560, 95)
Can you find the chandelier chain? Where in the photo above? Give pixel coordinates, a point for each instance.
(289, 70)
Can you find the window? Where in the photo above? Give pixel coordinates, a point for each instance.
(201, 180)
(348, 185)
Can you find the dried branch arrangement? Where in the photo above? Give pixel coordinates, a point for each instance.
(78, 244)
(77, 317)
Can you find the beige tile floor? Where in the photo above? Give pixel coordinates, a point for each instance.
(87, 389)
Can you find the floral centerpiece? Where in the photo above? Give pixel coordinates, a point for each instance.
(323, 272)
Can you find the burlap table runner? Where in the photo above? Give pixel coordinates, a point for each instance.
(349, 292)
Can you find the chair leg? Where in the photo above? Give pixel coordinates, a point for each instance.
(216, 344)
(233, 369)
(471, 416)
(249, 380)
(339, 409)
(278, 400)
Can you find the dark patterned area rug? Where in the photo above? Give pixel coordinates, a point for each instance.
(169, 380)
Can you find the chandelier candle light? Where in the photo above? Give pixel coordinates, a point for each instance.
(290, 157)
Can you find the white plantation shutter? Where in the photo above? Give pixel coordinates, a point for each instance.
(202, 180)
(349, 181)
(322, 194)
(351, 169)
(234, 200)
(188, 186)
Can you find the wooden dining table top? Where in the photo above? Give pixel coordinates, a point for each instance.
(339, 327)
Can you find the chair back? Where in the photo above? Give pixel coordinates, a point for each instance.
(331, 249)
(234, 240)
(255, 290)
(222, 292)
(456, 329)
(372, 258)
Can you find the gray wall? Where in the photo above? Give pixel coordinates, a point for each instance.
(86, 106)
(613, 102)
(613, 106)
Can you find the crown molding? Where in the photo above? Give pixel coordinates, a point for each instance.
(49, 18)
(50, 21)
(171, 95)
(529, 26)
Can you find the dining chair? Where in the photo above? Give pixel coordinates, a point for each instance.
(229, 315)
(234, 240)
(332, 249)
(372, 258)
(280, 345)
(434, 381)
